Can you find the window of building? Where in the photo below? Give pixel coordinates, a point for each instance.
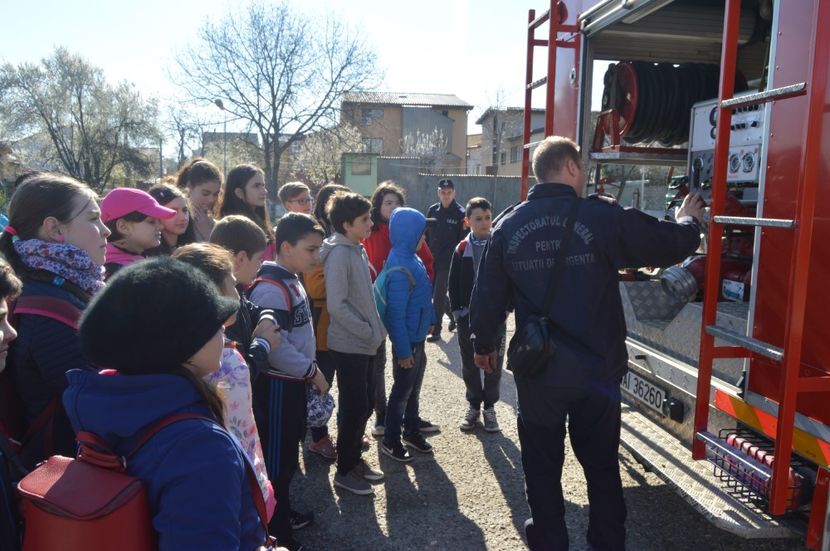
(368, 116)
(503, 157)
(361, 166)
(514, 154)
(373, 145)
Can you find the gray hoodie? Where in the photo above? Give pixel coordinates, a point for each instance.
(280, 290)
(355, 326)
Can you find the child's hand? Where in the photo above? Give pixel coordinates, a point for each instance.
(487, 362)
(319, 380)
(407, 363)
(268, 329)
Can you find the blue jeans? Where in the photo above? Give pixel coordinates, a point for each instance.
(404, 398)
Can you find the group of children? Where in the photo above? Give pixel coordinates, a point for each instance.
(240, 323)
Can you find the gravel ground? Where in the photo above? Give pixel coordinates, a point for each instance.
(470, 494)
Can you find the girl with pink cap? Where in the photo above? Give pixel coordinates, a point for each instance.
(134, 218)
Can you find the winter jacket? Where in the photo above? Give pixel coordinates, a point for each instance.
(587, 310)
(462, 277)
(194, 470)
(354, 325)
(378, 245)
(409, 311)
(448, 230)
(280, 290)
(45, 349)
(254, 350)
(117, 258)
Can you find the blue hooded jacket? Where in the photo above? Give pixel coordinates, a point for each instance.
(408, 314)
(196, 482)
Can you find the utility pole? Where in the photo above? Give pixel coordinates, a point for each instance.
(220, 105)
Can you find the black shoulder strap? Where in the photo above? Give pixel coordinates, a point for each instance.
(560, 257)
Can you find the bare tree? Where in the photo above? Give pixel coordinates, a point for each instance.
(429, 147)
(281, 72)
(320, 156)
(185, 127)
(92, 126)
(234, 152)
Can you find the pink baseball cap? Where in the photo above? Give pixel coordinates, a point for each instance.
(124, 200)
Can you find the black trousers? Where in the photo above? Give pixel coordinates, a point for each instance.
(280, 413)
(593, 423)
(478, 391)
(356, 384)
(380, 385)
(440, 300)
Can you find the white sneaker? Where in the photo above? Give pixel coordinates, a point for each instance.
(490, 422)
(469, 422)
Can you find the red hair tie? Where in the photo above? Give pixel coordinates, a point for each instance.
(10, 230)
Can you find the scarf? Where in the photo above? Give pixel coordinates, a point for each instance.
(478, 242)
(64, 260)
(117, 255)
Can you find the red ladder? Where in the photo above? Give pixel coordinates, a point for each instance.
(744, 346)
(556, 27)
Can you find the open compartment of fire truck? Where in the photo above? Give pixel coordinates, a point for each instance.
(730, 350)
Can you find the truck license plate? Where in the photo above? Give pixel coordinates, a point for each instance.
(644, 391)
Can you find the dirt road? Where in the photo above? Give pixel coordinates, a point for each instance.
(470, 494)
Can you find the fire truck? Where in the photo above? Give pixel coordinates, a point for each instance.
(728, 394)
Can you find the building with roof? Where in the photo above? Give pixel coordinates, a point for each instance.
(501, 138)
(426, 125)
(474, 154)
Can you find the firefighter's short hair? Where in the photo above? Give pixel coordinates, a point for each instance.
(552, 154)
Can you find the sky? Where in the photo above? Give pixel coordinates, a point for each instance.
(474, 49)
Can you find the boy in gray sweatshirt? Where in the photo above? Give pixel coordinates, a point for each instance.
(279, 395)
(354, 335)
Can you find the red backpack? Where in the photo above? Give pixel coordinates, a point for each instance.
(90, 504)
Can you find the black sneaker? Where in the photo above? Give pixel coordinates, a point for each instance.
(434, 337)
(396, 451)
(425, 426)
(451, 326)
(300, 520)
(416, 440)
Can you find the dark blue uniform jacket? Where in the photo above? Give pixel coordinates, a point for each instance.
(448, 230)
(517, 266)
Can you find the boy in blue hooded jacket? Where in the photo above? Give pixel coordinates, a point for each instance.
(409, 317)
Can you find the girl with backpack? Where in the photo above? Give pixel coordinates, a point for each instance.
(56, 243)
(157, 351)
(245, 194)
(178, 230)
(134, 219)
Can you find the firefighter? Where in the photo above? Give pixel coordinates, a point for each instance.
(442, 238)
(581, 381)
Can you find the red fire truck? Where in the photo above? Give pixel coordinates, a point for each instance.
(729, 351)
